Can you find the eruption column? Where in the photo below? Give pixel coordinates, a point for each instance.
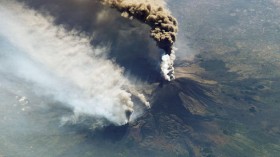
(163, 26)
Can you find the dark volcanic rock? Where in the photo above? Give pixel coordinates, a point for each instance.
(178, 109)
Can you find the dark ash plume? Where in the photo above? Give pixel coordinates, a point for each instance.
(163, 26)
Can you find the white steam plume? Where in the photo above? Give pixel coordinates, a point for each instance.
(63, 65)
(167, 68)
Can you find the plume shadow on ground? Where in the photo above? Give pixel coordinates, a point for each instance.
(128, 40)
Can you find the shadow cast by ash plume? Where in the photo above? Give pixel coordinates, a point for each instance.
(128, 40)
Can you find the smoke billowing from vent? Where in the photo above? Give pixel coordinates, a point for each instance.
(62, 65)
(75, 40)
(164, 26)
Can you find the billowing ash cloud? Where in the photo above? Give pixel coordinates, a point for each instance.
(164, 26)
(62, 65)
